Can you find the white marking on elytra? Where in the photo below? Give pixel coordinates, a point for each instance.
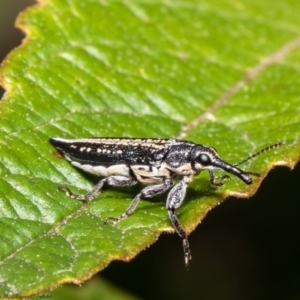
(159, 143)
(121, 169)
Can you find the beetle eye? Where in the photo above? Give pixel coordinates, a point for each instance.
(204, 159)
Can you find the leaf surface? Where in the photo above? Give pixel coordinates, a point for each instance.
(218, 73)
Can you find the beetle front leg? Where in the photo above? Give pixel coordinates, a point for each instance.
(174, 200)
(148, 192)
(213, 179)
(118, 180)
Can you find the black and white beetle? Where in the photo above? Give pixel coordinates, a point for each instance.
(157, 163)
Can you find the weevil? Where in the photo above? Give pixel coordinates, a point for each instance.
(159, 164)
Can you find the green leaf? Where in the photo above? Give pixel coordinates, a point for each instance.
(89, 291)
(218, 73)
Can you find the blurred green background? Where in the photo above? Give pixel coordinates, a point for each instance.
(244, 249)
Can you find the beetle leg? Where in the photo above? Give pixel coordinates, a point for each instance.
(174, 200)
(147, 192)
(213, 179)
(116, 180)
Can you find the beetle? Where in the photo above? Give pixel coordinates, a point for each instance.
(159, 164)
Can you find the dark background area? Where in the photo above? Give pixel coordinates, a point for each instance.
(10, 37)
(244, 249)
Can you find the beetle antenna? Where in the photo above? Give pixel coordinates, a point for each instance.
(274, 146)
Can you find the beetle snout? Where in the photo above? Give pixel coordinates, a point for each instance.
(244, 176)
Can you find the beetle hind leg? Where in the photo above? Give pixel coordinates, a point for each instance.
(117, 180)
